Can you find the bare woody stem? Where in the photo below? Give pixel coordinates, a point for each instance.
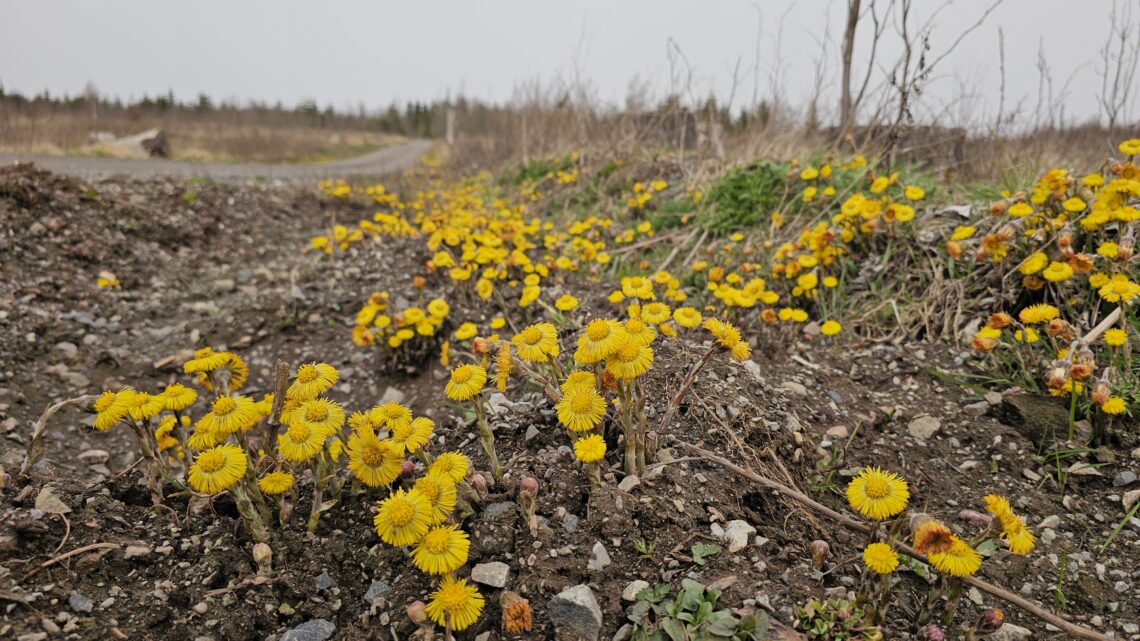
(248, 513)
(35, 449)
(487, 437)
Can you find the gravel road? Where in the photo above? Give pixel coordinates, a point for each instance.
(382, 161)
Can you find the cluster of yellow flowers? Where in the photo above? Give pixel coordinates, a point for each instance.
(377, 324)
(643, 193)
(1073, 242)
(882, 496)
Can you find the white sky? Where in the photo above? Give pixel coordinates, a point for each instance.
(371, 52)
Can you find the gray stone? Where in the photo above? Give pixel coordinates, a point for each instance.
(392, 395)
(531, 432)
(48, 502)
(1126, 477)
(793, 388)
(600, 558)
(498, 510)
(630, 592)
(736, 534)
(94, 457)
(1129, 499)
(136, 552)
(494, 574)
(570, 523)
(324, 581)
(1050, 521)
(839, 431)
(1010, 632)
(69, 350)
(80, 603)
(623, 633)
(977, 409)
(628, 483)
(33, 636)
(923, 426)
(499, 403)
(377, 590)
(575, 614)
(315, 630)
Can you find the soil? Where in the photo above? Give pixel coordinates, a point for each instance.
(225, 268)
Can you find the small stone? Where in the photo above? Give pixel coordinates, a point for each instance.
(315, 630)
(324, 581)
(794, 388)
(531, 432)
(623, 633)
(599, 559)
(68, 350)
(924, 426)
(1125, 477)
(736, 534)
(1050, 521)
(976, 409)
(80, 603)
(499, 403)
(1048, 535)
(575, 614)
(628, 483)
(631, 591)
(49, 626)
(392, 395)
(377, 590)
(136, 551)
(32, 636)
(993, 398)
(1129, 499)
(1080, 468)
(200, 607)
(570, 523)
(286, 609)
(839, 431)
(1030, 474)
(1010, 632)
(494, 574)
(49, 503)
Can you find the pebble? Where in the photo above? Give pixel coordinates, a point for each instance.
(1010, 632)
(924, 426)
(599, 559)
(136, 551)
(1050, 521)
(377, 590)
(80, 603)
(736, 534)
(570, 523)
(1129, 499)
(531, 433)
(200, 608)
(324, 581)
(839, 431)
(494, 574)
(315, 630)
(794, 388)
(1125, 477)
(630, 592)
(628, 483)
(576, 611)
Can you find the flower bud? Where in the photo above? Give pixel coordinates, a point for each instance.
(263, 557)
(408, 467)
(933, 633)
(999, 320)
(989, 622)
(516, 614)
(1126, 246)
(417, 612)
(1101, 393)
(479, 484)
(1057, 375)
(819, 552)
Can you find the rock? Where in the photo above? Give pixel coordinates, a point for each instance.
(531, 432)
(494, 574)
(94, 457)
(1010, 632)
(794, 388)
(1033, 416)
(976, 409)
(499, 403)
(136, 551)
(570, 523)
(377, 590)
(628, 483)
(753, 369)
(839, 431)
(993, 398)
(1050, 521)
(625, 631)
(225, 285)
(80, 603)
(599, 559)
(1126, 477)
(495, 511)
(50, 503)
(67, 349)
(736, 534)
(392, 395)
(1129, 499)
(324, 581)
(200, 607)
(315, 630)
(923, 426)
(32, 636)
(575, 614)
(1080, 468)
(630, 592)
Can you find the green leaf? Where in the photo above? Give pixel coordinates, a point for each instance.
(722, 623)
(701, 551)
(987, 548)
(674, 629)
(692, 593)
(914, 565)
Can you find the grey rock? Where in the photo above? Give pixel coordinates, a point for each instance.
(499, 403)
(628, 483)
(324, 581)
(315, 630)
(377, 590)
(80, 603)
(570, 523)
(498, 510)
(736, 534)
(600, 558)
(794, 388)
(1050, 521)
(839, 431)
(977, 409)
(1010, 632)
(94, 457)
(392, 395)
(67, 349)
(923, 426)
(631, 590)
(1125, 477)
(494, 574)
(575, 614)
(33, 636)
(1129, 499)
(623, 633)
(136, 552)
(531, 432)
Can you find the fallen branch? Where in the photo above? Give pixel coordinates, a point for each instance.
(1065, 625)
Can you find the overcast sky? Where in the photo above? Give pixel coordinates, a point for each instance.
(372, 52)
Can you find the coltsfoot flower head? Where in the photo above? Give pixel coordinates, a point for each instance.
(724, 333)
(456, 601)
(537, 343)
(403, 518)
(320, 414)
(631, 360)
(516, 614)
(960, 560)
(440, 492)
(830, 328)
(376, 463)
(600, 339)
(582, 408)
(277, 482)
(300, 442)
(391, 415)
(466, 381)
(578, 379)
(111, 407)
(881, 558)
(453, 465)
(638, 331)
(228, 415)
(177, 397)
(143, 406)
(877, 494)
(442, 550)
(414, 435)
(313, 379)
(216, 469)
(687, 317)
(590, 449)
(932, 537)
(1034, 314)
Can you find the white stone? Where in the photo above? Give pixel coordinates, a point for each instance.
(736, 534)
(923, 426)
(630, 592)
(494, 574)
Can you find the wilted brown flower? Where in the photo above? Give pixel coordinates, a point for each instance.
(999, 320)
(932, 537)
(516, 614)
